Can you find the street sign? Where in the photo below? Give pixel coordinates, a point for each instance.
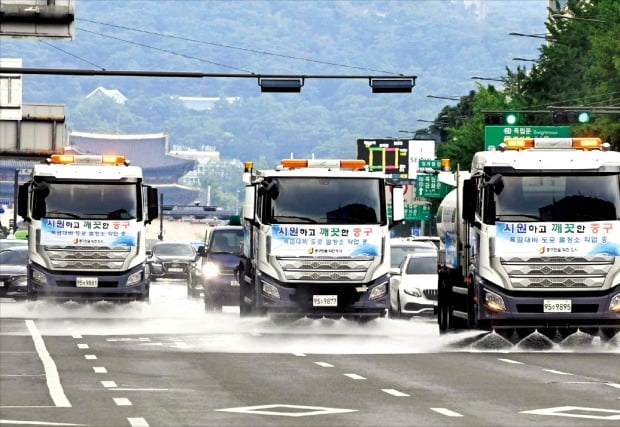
(414, 212)
(495, 135)
(434, 164)
(430, 187)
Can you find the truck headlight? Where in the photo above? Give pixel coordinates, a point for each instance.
(493, 301)
(271, 291)
(134, 278)
(210, 269)
(39, 277)
(378, 291)
(414, 292)
(614, 305)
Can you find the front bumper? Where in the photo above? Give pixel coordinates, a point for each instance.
(13, 287)
(352, 299)
(525, 309)
(63, 286)
(175, 270)
(223, 289)
(424, 305)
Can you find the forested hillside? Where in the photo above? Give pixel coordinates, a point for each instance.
(444, 43)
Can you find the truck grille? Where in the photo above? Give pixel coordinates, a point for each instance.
(325, 269)
(556, 272)
(87, 258)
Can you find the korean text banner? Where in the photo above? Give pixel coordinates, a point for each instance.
(557, 239)
(325, 240)
(70, 232)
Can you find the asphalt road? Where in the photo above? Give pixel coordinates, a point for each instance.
(168, 363)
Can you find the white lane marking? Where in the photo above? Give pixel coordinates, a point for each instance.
(553, 371)
(126, 339)
(355, 376)
(90, 357)
(77, 336)
(447, 412)
(299, 354)
(613, 385)
(108, 384)
(286, 410)
(137, 422)
(324, 364)
(36, 423)
(83, 346)
(511, 361)
(122, 401)
(139, 389)
(564, 411)
(22, 375)
(51, 373)
(394, 392)
(100, 370)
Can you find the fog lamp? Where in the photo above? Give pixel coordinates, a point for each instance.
(494, 302)
(614, 305)
(271, 291)
(378, 291)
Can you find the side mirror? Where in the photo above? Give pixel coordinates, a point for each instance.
(201, 250)
(249, 203)
(398, 204)
(152, 205)
(149, 253)
(395, 271)
(22, 201)
(470, 200)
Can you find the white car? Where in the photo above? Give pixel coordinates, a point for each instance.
(400, 247)
(414, 290)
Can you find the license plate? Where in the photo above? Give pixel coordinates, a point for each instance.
(324, 300)
(175, 270)
(87, 282)
(234, 283)
(557, 306)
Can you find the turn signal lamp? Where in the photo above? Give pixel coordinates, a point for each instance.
(247, 166)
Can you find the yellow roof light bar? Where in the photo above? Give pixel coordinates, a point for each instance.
(106, 159)
(585, 143)
(62, 159)
(112, 159)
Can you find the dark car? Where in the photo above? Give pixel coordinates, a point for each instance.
(13, 272)
(171, 260)
(216, 273)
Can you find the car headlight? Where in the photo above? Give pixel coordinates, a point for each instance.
(614, 305)
(134, 278)
(378, 291)
(493, 301)
(39, 277)
(414, 292)
(210, 269)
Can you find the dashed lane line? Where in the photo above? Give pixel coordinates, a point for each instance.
(51, 373)
(324, 364)
(515, 362)
(90, 357)
(137, 422)
(122, 401)
(553, 371)
(394, 392)
(100, 370)
(355, 376)
(83, 346)
(108, 384)
(447, 412)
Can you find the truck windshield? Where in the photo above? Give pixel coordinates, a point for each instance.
(86, 201)
(326, 201)
(559, 198)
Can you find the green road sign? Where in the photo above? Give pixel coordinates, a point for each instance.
(414, 212)
(430, 187)
(429, 164)
(495, 135)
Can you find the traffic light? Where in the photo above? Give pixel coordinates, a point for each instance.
(501, 119)
(571, 117)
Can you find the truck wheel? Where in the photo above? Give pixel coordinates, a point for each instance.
(245, 291)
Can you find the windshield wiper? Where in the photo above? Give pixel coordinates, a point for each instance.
(536, 217)
(63, 214)
(302, 218)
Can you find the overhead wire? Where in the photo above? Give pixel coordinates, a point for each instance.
(257, 51)
(167, 51)
(71, 54)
